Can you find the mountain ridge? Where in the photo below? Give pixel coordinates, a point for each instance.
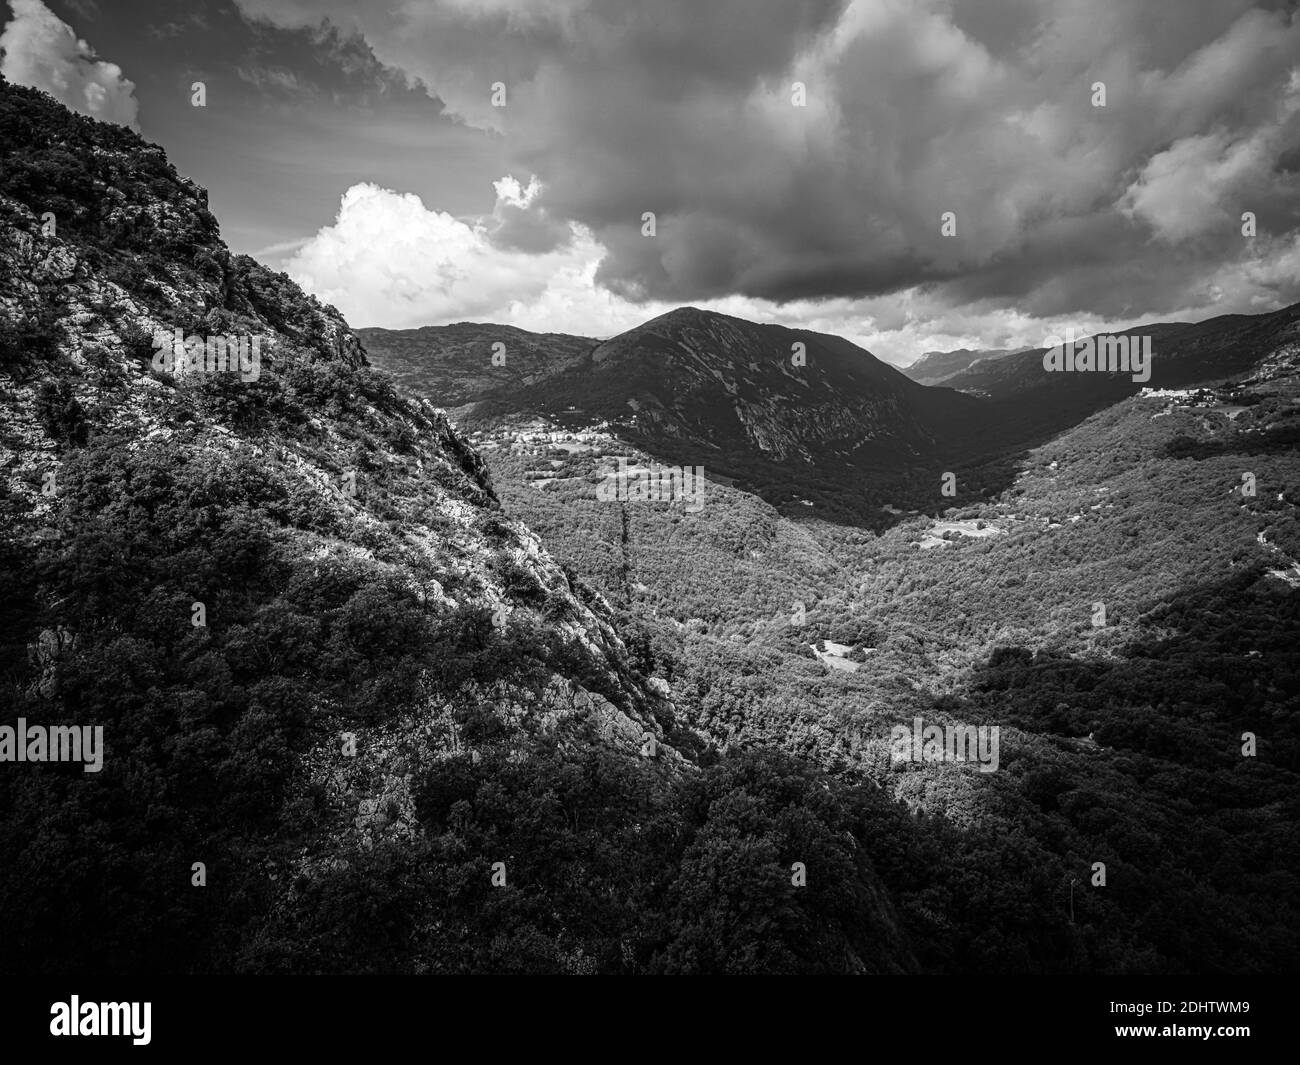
(935, 367)
(705, 389)
(699, 387)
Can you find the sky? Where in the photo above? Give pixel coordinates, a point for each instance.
(911, 174)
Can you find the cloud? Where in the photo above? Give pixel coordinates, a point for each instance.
(911, 109)
(389, 260)
(1200, 184)
(273, 80)
(522, 224)
(42, 51)
(280, 247)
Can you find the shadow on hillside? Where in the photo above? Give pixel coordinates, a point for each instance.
(1272, 441)
(870, 497)
(854, 482)
(1215, 661)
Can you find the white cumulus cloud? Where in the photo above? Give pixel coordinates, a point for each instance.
(389, 260)
(42, 51)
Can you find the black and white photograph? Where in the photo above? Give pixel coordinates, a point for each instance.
(735, 488)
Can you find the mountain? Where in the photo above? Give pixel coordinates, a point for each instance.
(844, 432)
(351, 716)
(936, 367)
(135, 255)
(725, 389)
(782, 410)
(1028, 404)
(462, 363)
(1261, 346)
(1121, 730)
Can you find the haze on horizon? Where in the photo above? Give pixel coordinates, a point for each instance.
(799, 159)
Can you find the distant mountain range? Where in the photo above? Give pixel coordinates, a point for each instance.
(723, 386)
(458, 364)
(935, 367)
(1184, 353)
(763, 403)
(774, 406)
(1030, 404)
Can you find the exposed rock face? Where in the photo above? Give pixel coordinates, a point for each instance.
(105, 278)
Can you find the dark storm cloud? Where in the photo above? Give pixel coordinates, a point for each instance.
(519, 225)
(982, 109)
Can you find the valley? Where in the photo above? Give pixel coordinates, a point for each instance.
(774, 627)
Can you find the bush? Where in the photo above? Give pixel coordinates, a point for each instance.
(61, 415)
(30, 338)
(137, 343)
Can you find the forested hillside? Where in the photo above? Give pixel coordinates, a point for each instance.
(1122, 742)
(468, 362)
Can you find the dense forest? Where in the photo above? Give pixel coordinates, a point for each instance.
(1122, 742)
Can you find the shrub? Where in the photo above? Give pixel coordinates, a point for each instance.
(137, 343)
(29, 338)
(61, 415)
